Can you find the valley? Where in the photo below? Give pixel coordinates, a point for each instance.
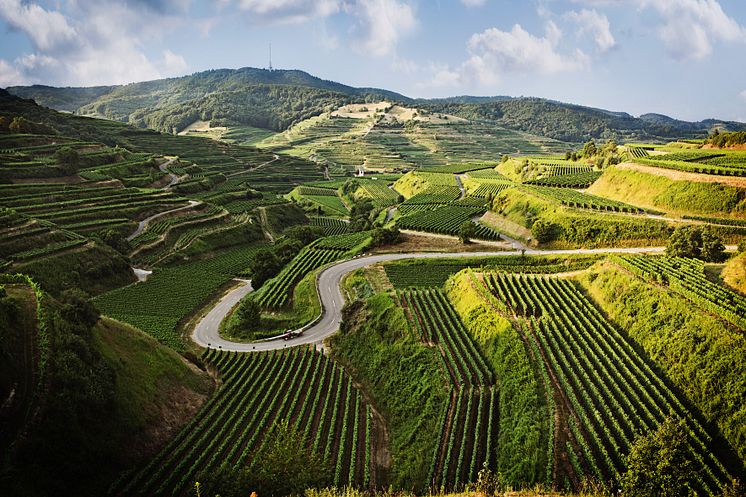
(263, 281)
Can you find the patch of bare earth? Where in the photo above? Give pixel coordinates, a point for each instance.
(176, 408)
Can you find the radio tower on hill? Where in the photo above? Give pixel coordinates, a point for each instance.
(270, 56)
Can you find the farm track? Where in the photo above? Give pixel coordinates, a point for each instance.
(144, 223)
(206, 333)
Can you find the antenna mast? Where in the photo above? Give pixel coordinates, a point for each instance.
(270, 56)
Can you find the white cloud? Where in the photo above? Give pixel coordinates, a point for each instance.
(10, 76)
(690, 26)
(289, 11)
(596, 25)
(46, 29)
(105, 46)
(742, 95)
(495, 53)
(384, 23)
(473, 3)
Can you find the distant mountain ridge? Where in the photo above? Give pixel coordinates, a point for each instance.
(280, 98)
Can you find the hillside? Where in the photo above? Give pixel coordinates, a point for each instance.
(251, 96)
(236, 89)
(95, 396)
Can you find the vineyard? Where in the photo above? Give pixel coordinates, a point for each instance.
(572, 198)
(158, 305)
(276, 292)
(446, 220)
(427, 274)
(575, 180)
(608, 392)
(687, 277)
(330, 225)
(300, 386)
(468, 424)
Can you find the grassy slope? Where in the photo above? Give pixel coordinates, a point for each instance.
(404, 379)
(701, 355)
(674, 197)
(734, 273)
(574, 227)
(156, 392)
(521, 453)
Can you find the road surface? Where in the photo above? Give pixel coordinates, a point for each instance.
(144, 223)
(206, 333)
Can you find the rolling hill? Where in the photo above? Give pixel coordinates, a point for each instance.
(280, 98)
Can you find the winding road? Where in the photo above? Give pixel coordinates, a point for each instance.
(206, 333)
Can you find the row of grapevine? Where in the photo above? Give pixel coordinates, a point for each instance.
(575, 180)
(438, 323)
(300, 387)
(716, 220)
(490, 189)
(446, 220)
(466, 425)
(613, 391)
(687, 277)
(276, 292)
(572, 198)
(330, 225)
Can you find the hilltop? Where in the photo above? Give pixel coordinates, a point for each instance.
(277, 99)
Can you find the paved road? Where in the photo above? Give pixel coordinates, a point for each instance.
(144, 223)
(206, 333)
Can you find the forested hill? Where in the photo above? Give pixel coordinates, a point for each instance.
(576, 123)
(277, 99)
(257, 97)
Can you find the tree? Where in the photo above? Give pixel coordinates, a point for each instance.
(589, 149)
(658, 464)
(695, 242)
(713, 249)
(386, 236)
(685, 241)
(542, 231)
(67, 160)
(4, 124)
(247, 318)
(466, 231)
(263, 266)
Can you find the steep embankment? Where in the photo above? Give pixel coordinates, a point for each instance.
(674, 192)
(89, 398)
(520, 454)
(734, 273)
(701, 355)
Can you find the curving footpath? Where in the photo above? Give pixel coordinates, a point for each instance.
(207, 331)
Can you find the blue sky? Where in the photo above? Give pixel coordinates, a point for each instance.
(684, 58)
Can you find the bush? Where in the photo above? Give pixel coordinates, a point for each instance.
(466, 231)
(695, 242)
(542, 231)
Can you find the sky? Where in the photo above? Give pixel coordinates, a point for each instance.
(683, 58)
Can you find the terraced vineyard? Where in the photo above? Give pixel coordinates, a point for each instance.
(572, 198)
(276, 292)
(330, 225)
(609, 392)
(469, 424)
(687, 277)
(574, 180)
(428, 274)
(446, 220)
(171, 293)
(300, 386)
